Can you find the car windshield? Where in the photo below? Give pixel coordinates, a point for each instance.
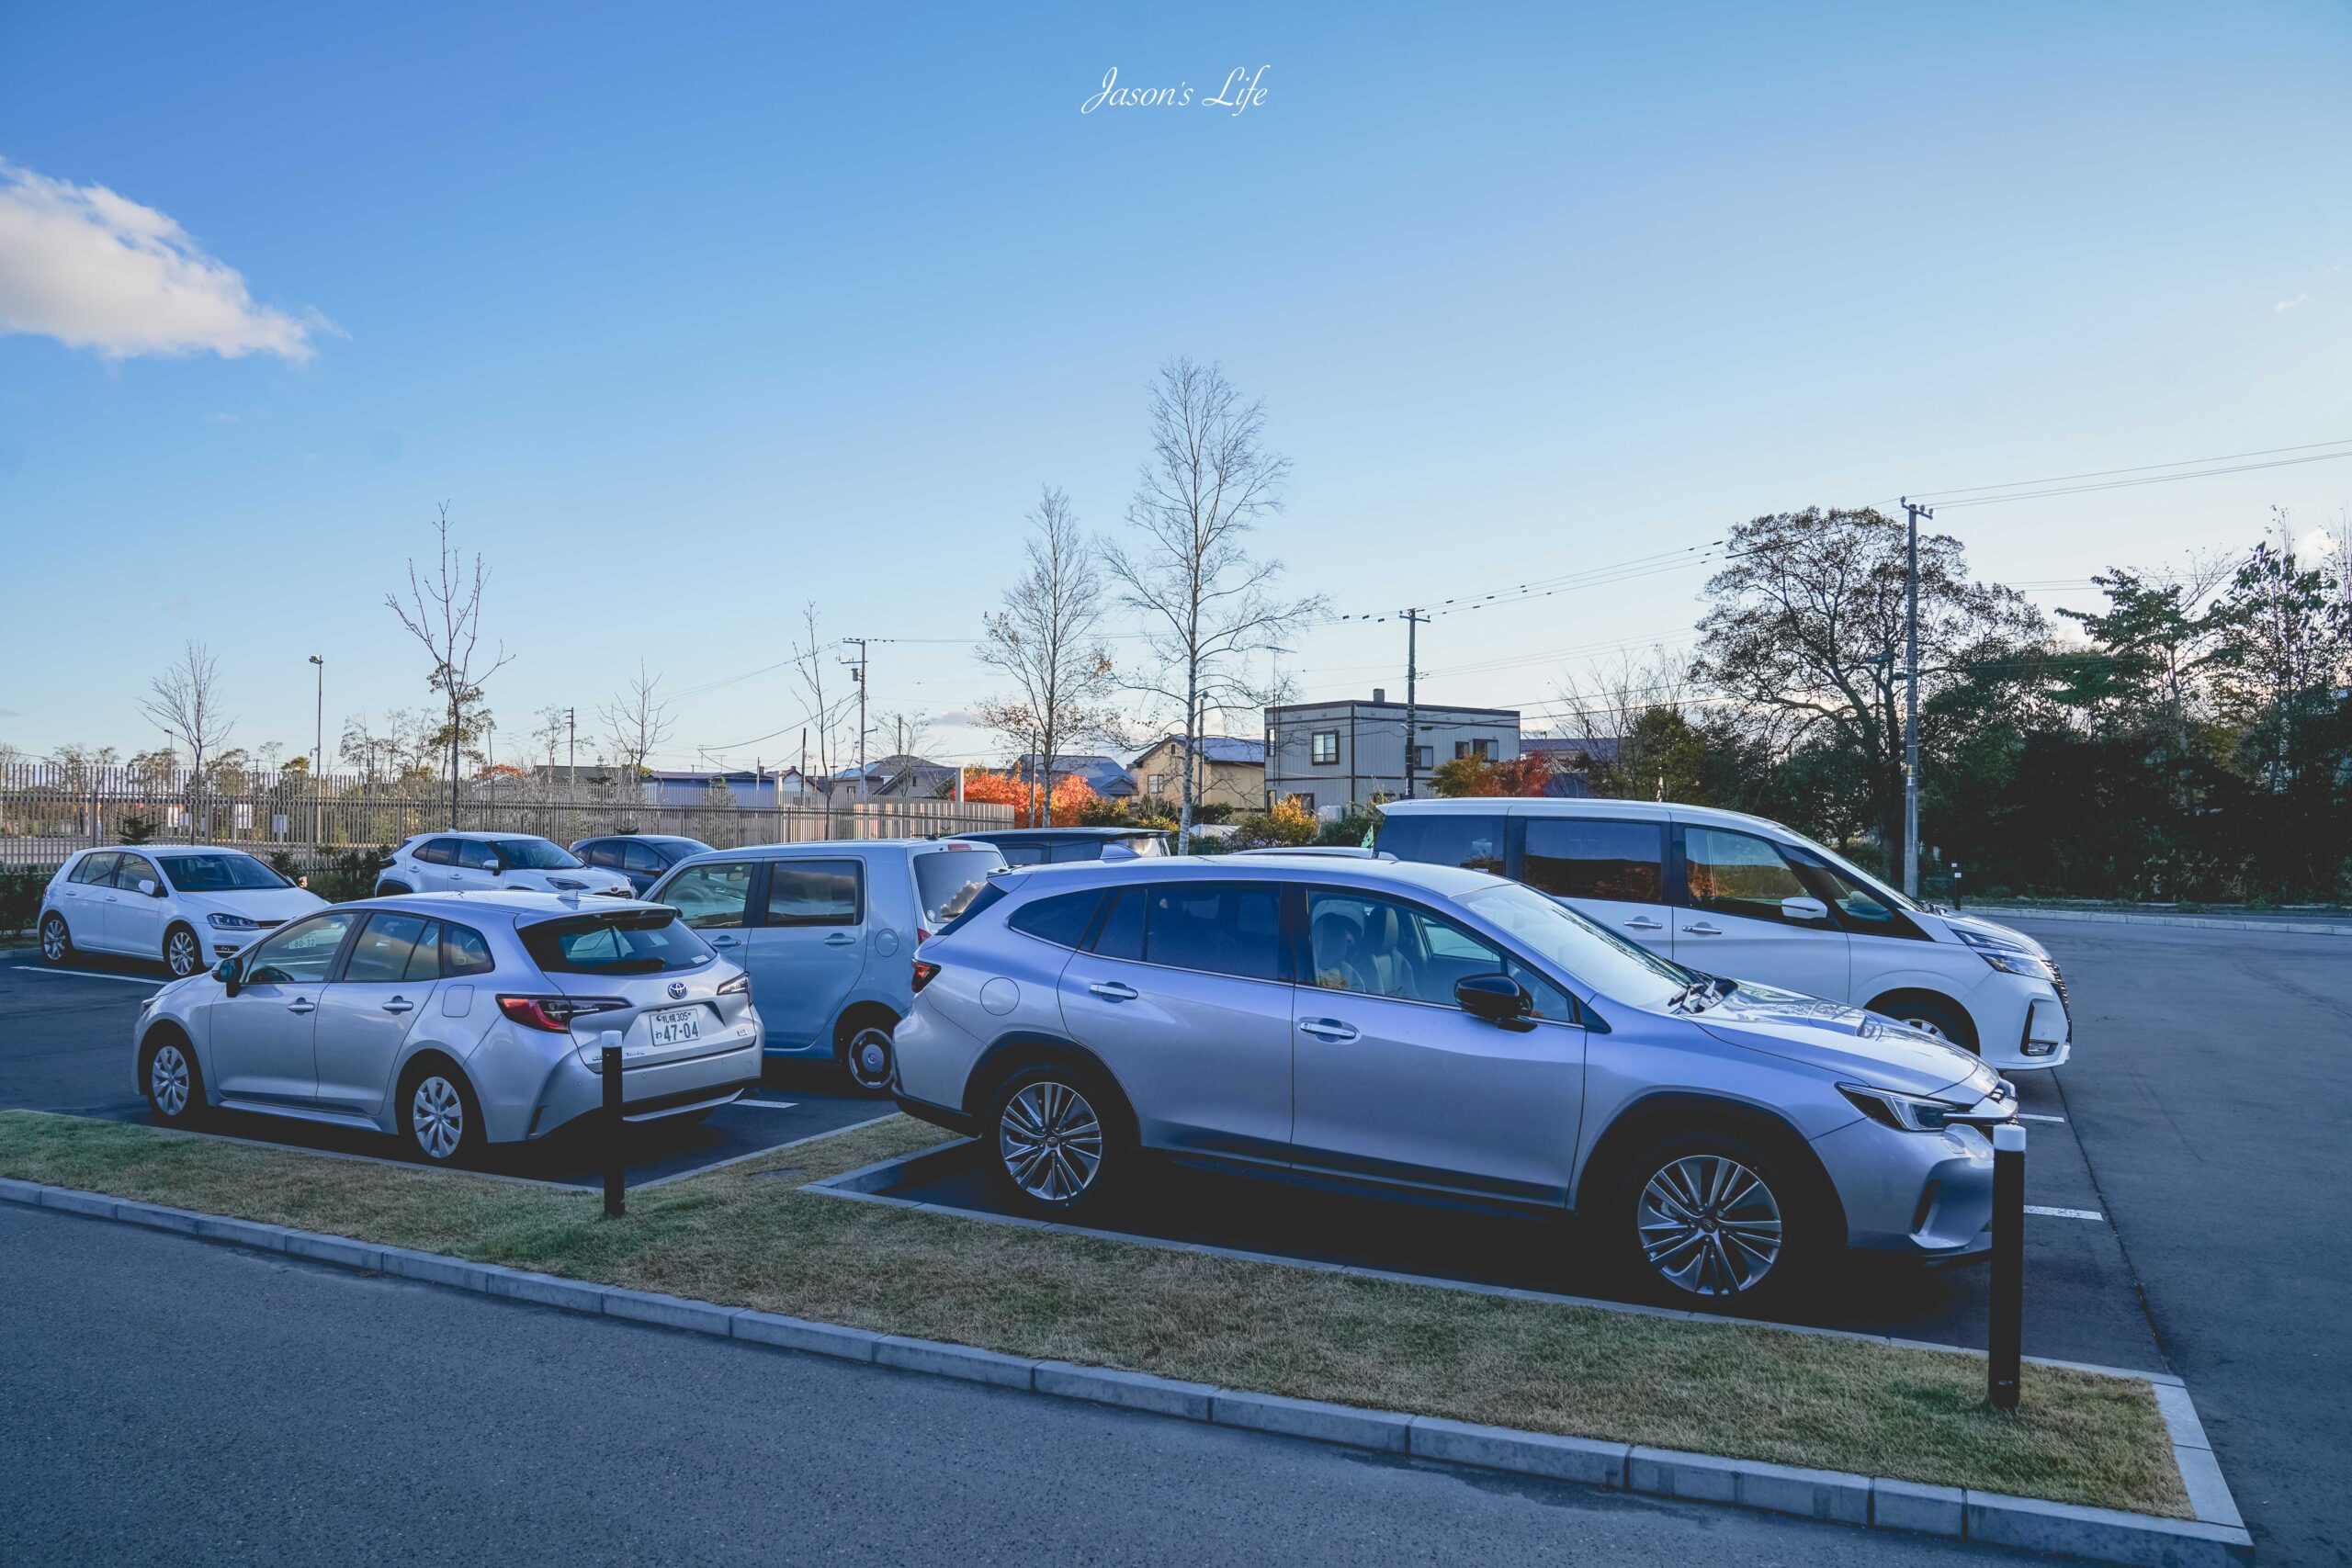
(220, 873)
(635, 941)
(947, 880)
(536, 854)
(1579, 949)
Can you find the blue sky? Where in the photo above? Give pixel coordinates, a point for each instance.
(695, 314)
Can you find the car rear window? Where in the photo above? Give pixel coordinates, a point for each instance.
(633, 942)
(1061, 919)
(946, 881)
(1474, 839)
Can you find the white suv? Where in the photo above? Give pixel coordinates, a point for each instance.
(477, 862)
(1733, 895)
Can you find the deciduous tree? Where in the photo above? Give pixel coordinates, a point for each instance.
(1046, 643)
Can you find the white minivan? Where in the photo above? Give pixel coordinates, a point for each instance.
(1736, 896)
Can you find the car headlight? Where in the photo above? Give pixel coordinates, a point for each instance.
(2006, 956)
(565, 884)
(1904, 1112)
(232, 923)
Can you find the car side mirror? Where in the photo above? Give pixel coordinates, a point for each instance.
(226, 972)
(1498, 999)
(1804, 909)
(150, 887)
(496, 868)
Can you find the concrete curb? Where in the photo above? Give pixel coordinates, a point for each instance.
(2196, 922)
(2216, 1537)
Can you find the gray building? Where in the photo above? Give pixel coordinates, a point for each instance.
(1337, 754)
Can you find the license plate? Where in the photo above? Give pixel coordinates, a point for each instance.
(673, 1026)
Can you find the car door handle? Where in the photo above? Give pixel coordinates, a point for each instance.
(1111, 991)
(400, 1004)
(1644, 923)
(721, 942)
(301, 1004)
(1704, 931)
(1328, 1029)
(839, 939)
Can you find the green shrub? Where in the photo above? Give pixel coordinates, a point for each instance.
(20, 892)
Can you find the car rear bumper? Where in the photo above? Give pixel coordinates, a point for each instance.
(647, 1093)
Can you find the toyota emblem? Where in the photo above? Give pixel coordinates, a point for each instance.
(677, 989)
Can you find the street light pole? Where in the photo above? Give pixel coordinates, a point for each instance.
(318, 755)
(1912, 512)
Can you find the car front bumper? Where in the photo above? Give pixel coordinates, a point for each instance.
(1924, 1195)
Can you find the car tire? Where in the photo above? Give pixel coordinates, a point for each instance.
(182, 954)
(1054, 1137)
(867, 1053)
(1933, 1015)
(440, 1119)
(173, 1082)
(1715, 1220)
(56, 939)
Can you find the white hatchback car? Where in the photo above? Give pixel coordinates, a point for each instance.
(188, 905)
(482, 862)
(1728, 894)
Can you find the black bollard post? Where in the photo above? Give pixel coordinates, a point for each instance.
(1955, 885)
(2004, 1335)
(616, 1180)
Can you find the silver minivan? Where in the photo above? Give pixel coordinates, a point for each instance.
(828, 930)
(1418, 1028)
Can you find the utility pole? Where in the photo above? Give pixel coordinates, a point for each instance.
(1912, 512)
(1413, 619)
(857, 674)
(318, 757)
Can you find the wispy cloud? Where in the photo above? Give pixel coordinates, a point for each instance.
(2297, 303)
(96, 270)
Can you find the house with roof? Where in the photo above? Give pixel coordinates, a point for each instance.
(1226, 771)
(1106, 776)
(1572, 758)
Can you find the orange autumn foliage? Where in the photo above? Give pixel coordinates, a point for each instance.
(1070, 794)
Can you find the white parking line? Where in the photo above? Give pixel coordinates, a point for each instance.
(2064, 1214)
(2036, 1116)
(768, 1104)
(84, 974)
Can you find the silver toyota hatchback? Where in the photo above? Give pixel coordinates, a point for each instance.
(1426, 1030)
(456, 1019)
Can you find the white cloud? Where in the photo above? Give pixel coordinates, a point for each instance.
(94, 270)
(2297, 303)
(2319, 545)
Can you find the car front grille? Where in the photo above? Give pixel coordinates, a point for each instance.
(2058, 979)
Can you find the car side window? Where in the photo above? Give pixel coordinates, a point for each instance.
(605, 853)
(387, 948)
(303, 952)
(1378, 947)
(815, 892)
(464, 951)
(713, 897)
(96, 871)
(642, 859)
(476, 855)
(1061, 919)
(132, 869)
(1474, 839)
(438, 852)
(1582, 857)
(1738, 873)
(1232, 928)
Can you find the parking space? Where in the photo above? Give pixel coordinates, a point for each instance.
(64, 1046)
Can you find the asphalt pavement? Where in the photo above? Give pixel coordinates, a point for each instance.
(170, 1401)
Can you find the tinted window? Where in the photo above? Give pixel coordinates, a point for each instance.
(604, 853)
(98, 869)
(464, 952)
(394, 946)
(1122, 932)
(132, 870)
(1448, 838)
(946, 881)
(1061, 919)
(813, 892)
(220, 873)
(1576, 857)
(438, 852)
(709, 896)
(302, 953)
(477, 855)
(1024, 852)
(1738, 873)
(631, 943)
(640, 858)
(1218, 928)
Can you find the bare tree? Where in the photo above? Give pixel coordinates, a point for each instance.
(810, 654)
(444, 614)
(907, 733)
(185, 701)
(1208, 607)
(1045, 641)
(637, 722)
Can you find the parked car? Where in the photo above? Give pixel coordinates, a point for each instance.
(186, 904)
(828, 932)
(643, 858)
(477, 862)
(1427, 1029)
(1729, 894)
(1042, 846)
(456, 1021)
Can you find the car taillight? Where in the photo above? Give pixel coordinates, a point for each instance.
(925, 971)
(735, 985)
(554, 1014)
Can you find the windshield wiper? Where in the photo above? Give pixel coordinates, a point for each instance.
(1703, 990)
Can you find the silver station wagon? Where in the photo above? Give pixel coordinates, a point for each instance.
(456, 1019)
(1431, 1031)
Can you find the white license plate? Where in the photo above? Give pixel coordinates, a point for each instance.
(673, 1026)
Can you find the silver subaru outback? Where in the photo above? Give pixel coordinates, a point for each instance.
(1427, 1030)
(456, 1019)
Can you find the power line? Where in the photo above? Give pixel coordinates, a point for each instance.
(1954, 492)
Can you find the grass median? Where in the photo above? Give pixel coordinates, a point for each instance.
(747, 1236)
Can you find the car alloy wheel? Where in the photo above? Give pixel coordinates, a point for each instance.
(436, 1117)
(869, 1057)
(181, 954)
(1709, 1225)
(54, 943)
(1051, 1141)
(168, 1080)
(1924, 1026)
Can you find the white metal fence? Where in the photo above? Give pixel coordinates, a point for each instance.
(47, 811)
